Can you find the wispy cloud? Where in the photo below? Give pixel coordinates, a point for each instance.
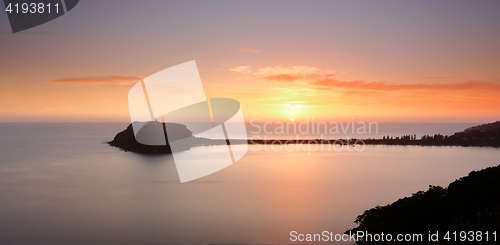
(250, 50)
(106, 81)
(242, 69)
(432, 78)
(293, 105)
(383, 86)
(293, 70)
(289, 78)
(282, 74)
(320, 79)
(282, 78)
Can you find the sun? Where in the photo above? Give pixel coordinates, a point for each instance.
(291, 119)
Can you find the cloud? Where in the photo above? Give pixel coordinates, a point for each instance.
(325, 80)
(242, 69)
(293, 105)
(435, 77)
(244, 50)
(287, 78)
(383, 86)
(283, 74)
(282, 78)
(106, 81)
(293, 70)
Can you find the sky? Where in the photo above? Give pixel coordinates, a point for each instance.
(397, 61)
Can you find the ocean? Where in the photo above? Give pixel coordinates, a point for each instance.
(60, 183)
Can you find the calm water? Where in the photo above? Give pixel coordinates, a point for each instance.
(60, 184)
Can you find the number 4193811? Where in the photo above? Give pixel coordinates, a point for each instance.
(470, 236)
(32, 8)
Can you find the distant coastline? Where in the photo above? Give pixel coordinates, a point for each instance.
(481, 135)
(485, 135)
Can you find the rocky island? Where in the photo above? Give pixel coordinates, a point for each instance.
(156, 132)
(126, 140)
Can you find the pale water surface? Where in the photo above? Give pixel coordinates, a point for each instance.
(60, 184)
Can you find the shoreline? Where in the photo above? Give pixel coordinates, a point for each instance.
(355, 141)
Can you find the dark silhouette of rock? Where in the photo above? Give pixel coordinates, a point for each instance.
(152, 138)
(471, 203)
(152, 132)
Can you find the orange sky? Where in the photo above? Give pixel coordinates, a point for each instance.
(271, 93)
(396, 62)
